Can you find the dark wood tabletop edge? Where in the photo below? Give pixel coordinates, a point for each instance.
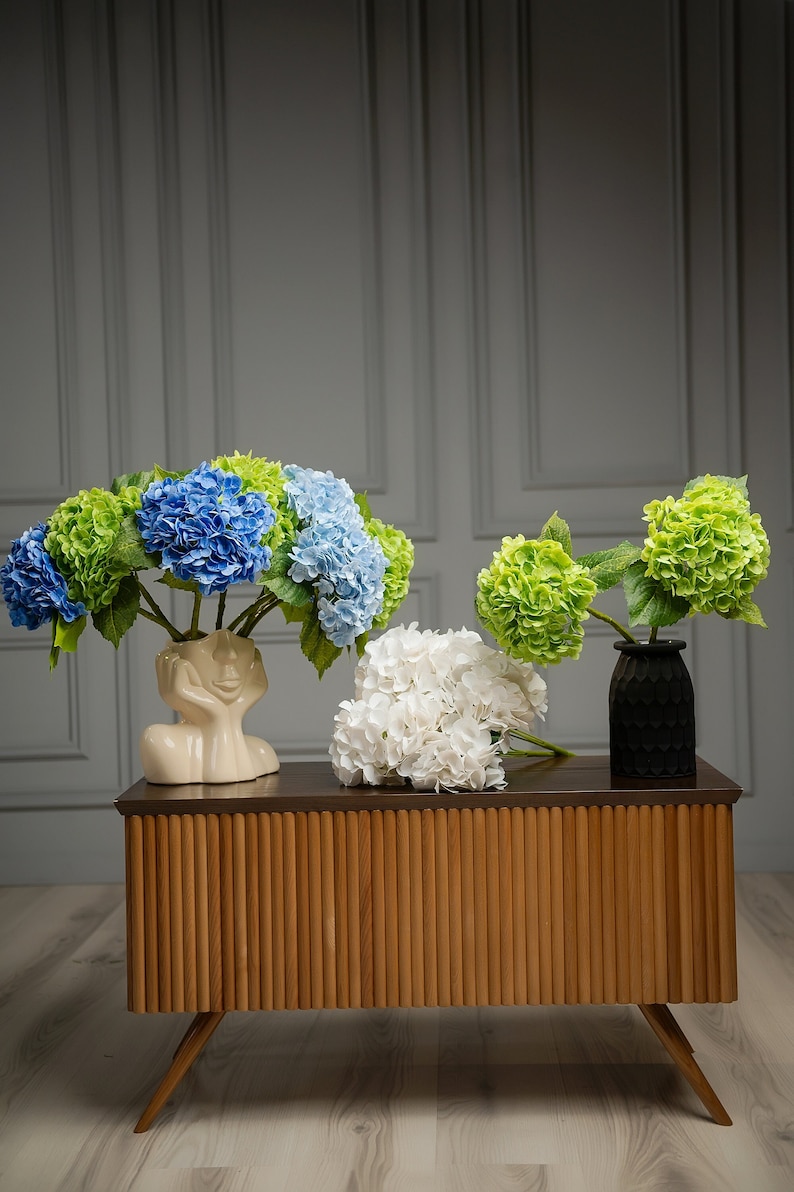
(583, 780)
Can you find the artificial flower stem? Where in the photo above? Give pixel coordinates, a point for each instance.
(532, 753)
(615, 624)
(558, 749)
(257, 613)
(194, 623)
(160, 618)
(221, 611)
(654, 631)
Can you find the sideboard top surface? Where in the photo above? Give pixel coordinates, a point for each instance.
(582, 781)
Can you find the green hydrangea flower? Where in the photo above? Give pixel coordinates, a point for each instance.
(707, 547)
(533, 599)
(263, 476)
(81, 535)
(399, 552)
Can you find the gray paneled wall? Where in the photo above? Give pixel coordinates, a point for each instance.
(485, 258)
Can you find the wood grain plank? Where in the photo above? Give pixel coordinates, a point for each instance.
(177, 911)
(493, 906)
(303, 910)
(392, 949)
(595, 899)
(203, 994)
(252, 928)
(457, 947)
(291, 987)
(277, 896)
(264, 828)
(353, 849)
(416, 899)
(316, 910)
(240, 896)
(215, 914)
(582, 868)
(367, 908)
(340, 910)
(429, 909)
(608, 913)
(327, 886)
(443, 881)
(378, 843)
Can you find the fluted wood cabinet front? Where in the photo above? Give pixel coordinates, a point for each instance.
(551, 902)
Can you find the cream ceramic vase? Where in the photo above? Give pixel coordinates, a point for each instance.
(211, 683)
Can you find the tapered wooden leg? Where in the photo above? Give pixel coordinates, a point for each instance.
(680, 1050)
(194, 1041)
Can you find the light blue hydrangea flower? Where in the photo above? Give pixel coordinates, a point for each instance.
(206, 529)
(33, 589)
(334, 551)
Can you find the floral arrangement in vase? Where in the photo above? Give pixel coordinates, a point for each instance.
(704, 552)
(436, 710)
(309, 544)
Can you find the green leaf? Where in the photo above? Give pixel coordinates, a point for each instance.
(280, 561)
(129, 548)
(739, 481)
(363, 504)
(558, 530)
(172, 581)
(607, 567)
(746, 610)
(287, 590)
(116, 618)
(649, 603)
(64, 637)
(315, 645)
(159, 473)
(293, 614)
(140, 480)
(361, 642)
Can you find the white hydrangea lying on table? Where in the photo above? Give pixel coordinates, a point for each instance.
(436, 709)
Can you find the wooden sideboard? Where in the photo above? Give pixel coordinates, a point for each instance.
(567, 887)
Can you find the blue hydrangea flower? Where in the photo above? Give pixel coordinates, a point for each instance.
(206, 529)
(334, 551)
(32, 588)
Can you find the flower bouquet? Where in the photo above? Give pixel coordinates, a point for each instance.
(436, 710)
(704, 552)
(309, 544)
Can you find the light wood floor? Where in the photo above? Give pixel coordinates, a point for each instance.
(466, 1100)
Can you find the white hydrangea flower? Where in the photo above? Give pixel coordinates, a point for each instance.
(434, 709)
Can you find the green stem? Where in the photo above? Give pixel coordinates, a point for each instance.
(594, 612)
(159, 616)
(221, 610)
(654, 631)
(194, 623)
(256, 614)
(547, 745)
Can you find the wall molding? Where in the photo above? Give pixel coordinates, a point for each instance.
(487, 522)
(533, 474)
(216, 114)
(63, 269)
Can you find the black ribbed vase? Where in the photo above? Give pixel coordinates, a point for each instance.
(651, 712)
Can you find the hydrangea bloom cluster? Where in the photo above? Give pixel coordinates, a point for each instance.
(264, 476)
(308, 543)
(81, 537)
(706, 546)
(335, 552)
(399, 552)
(33, 589)
(206, 529)
(433, 709)
(533, 599)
